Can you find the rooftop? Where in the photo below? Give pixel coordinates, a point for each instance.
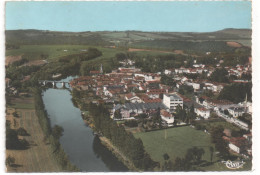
(173, 96)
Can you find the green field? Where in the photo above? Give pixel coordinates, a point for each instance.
(33, 52)
(177, 142)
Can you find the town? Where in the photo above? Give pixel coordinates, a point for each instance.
(139, 96)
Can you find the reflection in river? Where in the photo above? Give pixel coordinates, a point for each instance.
(83, 148)
(107, 157)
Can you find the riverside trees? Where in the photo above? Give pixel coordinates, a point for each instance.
(131, 147)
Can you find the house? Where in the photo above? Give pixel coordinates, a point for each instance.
(167, 117)
(248, 137)
(133, 98)
(155, 93)
(202, 112)
(168, 71)
(236, 111)
(196, 86)
(171, 101)
(237, 144)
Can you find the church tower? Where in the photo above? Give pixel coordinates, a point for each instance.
(101, 69)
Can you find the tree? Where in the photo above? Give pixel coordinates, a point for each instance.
(181, 113)
(121, 56)
(220, 144)
(219, 75)
(15, 114)
(168, 165)
(195, 154)
(236, 92)
(211, 149)
(9, 161)
(57, 131)
(167, 80)
(118, 114)
(166, 156)
(226, 112)
(22, 132)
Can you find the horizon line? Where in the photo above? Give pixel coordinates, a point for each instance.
(129, 30)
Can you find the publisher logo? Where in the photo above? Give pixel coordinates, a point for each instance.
(234, 164)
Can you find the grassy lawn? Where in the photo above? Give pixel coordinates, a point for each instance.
(33, 52)
(177, 141)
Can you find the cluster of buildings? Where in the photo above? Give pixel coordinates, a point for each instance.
(226, 109)
(240, 145)
(135, 92)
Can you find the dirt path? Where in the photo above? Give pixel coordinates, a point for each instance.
(38, 158)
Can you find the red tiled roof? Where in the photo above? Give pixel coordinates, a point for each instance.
(149, 100)
(165, 113)
(238, 141)
(202, 109)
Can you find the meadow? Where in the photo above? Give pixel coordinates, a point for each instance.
(176, 142)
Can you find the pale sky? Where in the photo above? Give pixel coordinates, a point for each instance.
(145, 16)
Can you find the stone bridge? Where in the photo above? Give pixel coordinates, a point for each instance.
(54, 83)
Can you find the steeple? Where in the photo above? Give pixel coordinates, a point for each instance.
(101, 69)
(245, 103)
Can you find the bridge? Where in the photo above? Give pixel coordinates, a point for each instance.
(54, 83)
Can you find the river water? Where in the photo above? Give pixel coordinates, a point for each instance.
(83, 148)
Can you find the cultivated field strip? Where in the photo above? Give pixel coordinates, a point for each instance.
(38, 158)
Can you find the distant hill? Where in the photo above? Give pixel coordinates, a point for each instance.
(106, 38)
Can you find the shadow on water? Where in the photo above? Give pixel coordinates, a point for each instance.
(107, 157)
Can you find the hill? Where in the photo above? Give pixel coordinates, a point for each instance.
(190, 41)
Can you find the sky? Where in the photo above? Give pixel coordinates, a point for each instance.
(145, 16)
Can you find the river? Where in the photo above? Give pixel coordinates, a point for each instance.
(83, 148)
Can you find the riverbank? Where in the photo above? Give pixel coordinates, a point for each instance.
(107, 143)
(57, 151)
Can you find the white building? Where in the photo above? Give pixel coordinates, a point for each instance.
(236, 112)
(196, 86)
(168, 71)
(171, 101)
(202, 112)
(167, 117)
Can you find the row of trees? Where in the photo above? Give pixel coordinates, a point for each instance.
(131, 147)
(185, 115)
(159, 63)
